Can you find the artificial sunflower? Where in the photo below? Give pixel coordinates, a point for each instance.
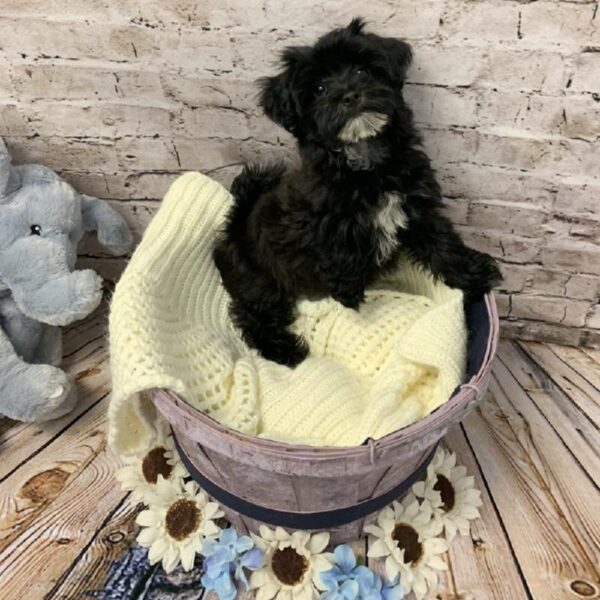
(406, 538)
(178, 519)
(451, 493)
(292, 564)
(141, 471)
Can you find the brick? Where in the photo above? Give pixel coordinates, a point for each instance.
(515, 277)
(513, 248)
(544, 281)
(559, 24)
(577, 196)
(591, 338)
(578, 257)
(582, 286)
(99, 120)
(456, 209)
(525, 70)
(41, 39)
(402, 19)
(109, 186)
(78, 9)
(586, 73)
(480, 22)
(223, 122)
(550, 156)
(447, 65)
(563, 311)
(6, 87)
(59, 153)
(444, 146)
(222, 15)
(75, 82)
(533, 279)
(593, 318)
(215, 52)
(476, 181)
(576, 117)
(538, 331)
(582, 119)
(152, 154)
(503, 302)
(442, 106)
(204, 91)
(513, 217)
(13, 121)
(576, 227)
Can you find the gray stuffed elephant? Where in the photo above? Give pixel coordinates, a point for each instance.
(42, 219)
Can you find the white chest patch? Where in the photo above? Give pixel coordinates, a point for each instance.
(365, 125)
(389, 218)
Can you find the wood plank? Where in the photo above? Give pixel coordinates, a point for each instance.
(593, 353)
(570, 381)
(53, 507)
(482, 564)
(580, 436)
(547, 504)
(583, 363)
(88, 575)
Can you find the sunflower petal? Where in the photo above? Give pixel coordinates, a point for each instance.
(392, 570)
(378, 549)
(318, 542)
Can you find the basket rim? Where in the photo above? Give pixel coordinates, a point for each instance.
(453, 406)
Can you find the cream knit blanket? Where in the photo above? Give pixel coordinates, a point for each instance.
(368, 374)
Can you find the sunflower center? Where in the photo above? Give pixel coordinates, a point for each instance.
(408, 540)
(288, 566)
(155, 464)
(182, 519)
(446, 490)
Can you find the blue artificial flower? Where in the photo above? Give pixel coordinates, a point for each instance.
(222, 585)
(383, 590)
(347, 581)
(225, 561)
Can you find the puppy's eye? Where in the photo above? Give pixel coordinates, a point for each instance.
(362, 71)
(36, 230)
(319, 89)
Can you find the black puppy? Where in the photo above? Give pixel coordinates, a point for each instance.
(364, 196)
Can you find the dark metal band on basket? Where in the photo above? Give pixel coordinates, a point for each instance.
(294, 520)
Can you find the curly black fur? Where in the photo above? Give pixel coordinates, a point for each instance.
(319, 230)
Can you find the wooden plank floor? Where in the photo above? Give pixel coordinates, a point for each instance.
(67, 531)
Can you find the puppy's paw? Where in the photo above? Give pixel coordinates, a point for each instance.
(481, 274)
(352, 301)
(286, 349)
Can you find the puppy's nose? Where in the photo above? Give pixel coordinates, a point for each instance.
(351, 98)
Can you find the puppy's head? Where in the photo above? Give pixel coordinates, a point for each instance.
(346, 88)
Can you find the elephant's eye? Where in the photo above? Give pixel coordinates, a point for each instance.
(36, 230)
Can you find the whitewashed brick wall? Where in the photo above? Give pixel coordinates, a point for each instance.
(120, 96)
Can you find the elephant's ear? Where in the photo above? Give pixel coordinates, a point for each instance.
(4, 168)
(112, 230)
(9, 178)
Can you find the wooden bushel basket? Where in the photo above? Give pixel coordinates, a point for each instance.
(336, 489)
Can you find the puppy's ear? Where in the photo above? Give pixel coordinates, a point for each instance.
(279, 94)
(399, 58)
(356, 26)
